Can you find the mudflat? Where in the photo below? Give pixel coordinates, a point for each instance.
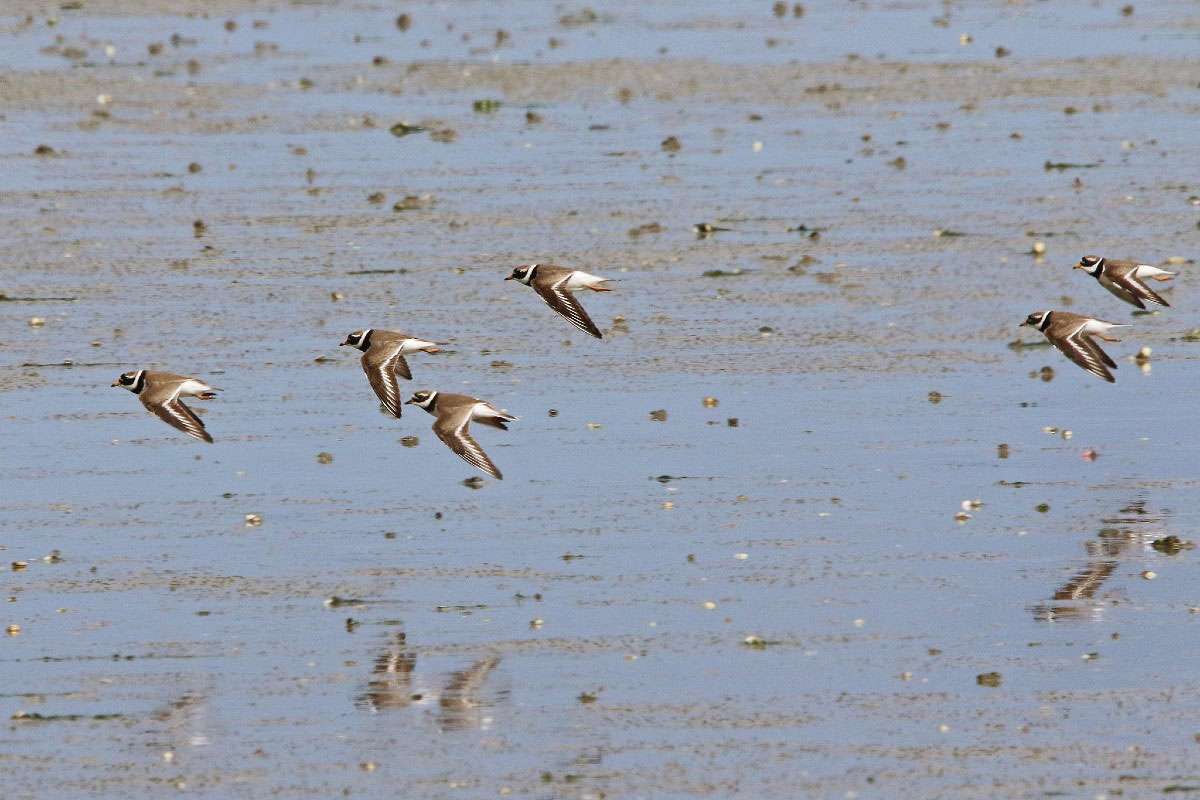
(816, 518)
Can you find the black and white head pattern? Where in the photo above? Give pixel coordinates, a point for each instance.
(133, 381)
(524, 273)
(359, 339)
(1038, 319)
(1092, 264)
(424, 398)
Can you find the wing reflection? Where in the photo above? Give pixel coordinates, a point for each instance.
(461, 704)
(1121, 537)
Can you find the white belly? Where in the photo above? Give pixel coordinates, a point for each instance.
(192, 387)
(1144, 271)
(581, 280)
(415, 346)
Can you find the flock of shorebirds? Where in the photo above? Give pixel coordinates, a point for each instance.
(384, 352)
(383, 361)
(1072, 333)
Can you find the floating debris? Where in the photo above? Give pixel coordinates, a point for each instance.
(704, 229)
(1171, 545)
(659, 415)
(1062, 165)
(961, 517)
(13, 630)
(324, 458)
(1089, 455)
(473, 482)
(732, 422)
(486, 106)
(935, 397)
(584, 16)
(1002, 451)
(989, 679)
(725, 273)
(711, 402)
(755, 642)
(253, 520)
(29, 716)
(671, 144)
(1042, 508)
(404, 22)
(641, 230)
(401, 129)
(445, 135)
(36, 322)
(1149, 575)
(334, 601)
(413, 202)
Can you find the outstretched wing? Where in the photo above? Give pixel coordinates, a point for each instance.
(452, 430)
(172, 411)
(1087, 354)
(1131, 284)
(558, 297)
(383, 372)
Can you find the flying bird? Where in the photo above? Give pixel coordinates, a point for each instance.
(1071, 334)
(160, 393)
(454, 413)
(555, 285)
(1126, 279)
(383, 361)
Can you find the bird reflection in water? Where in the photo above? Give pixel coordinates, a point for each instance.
(185, 721)
(390, 686)
(461, 704)
(1121, 537)
(393, 686)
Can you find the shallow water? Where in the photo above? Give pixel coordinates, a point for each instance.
(548, 635)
